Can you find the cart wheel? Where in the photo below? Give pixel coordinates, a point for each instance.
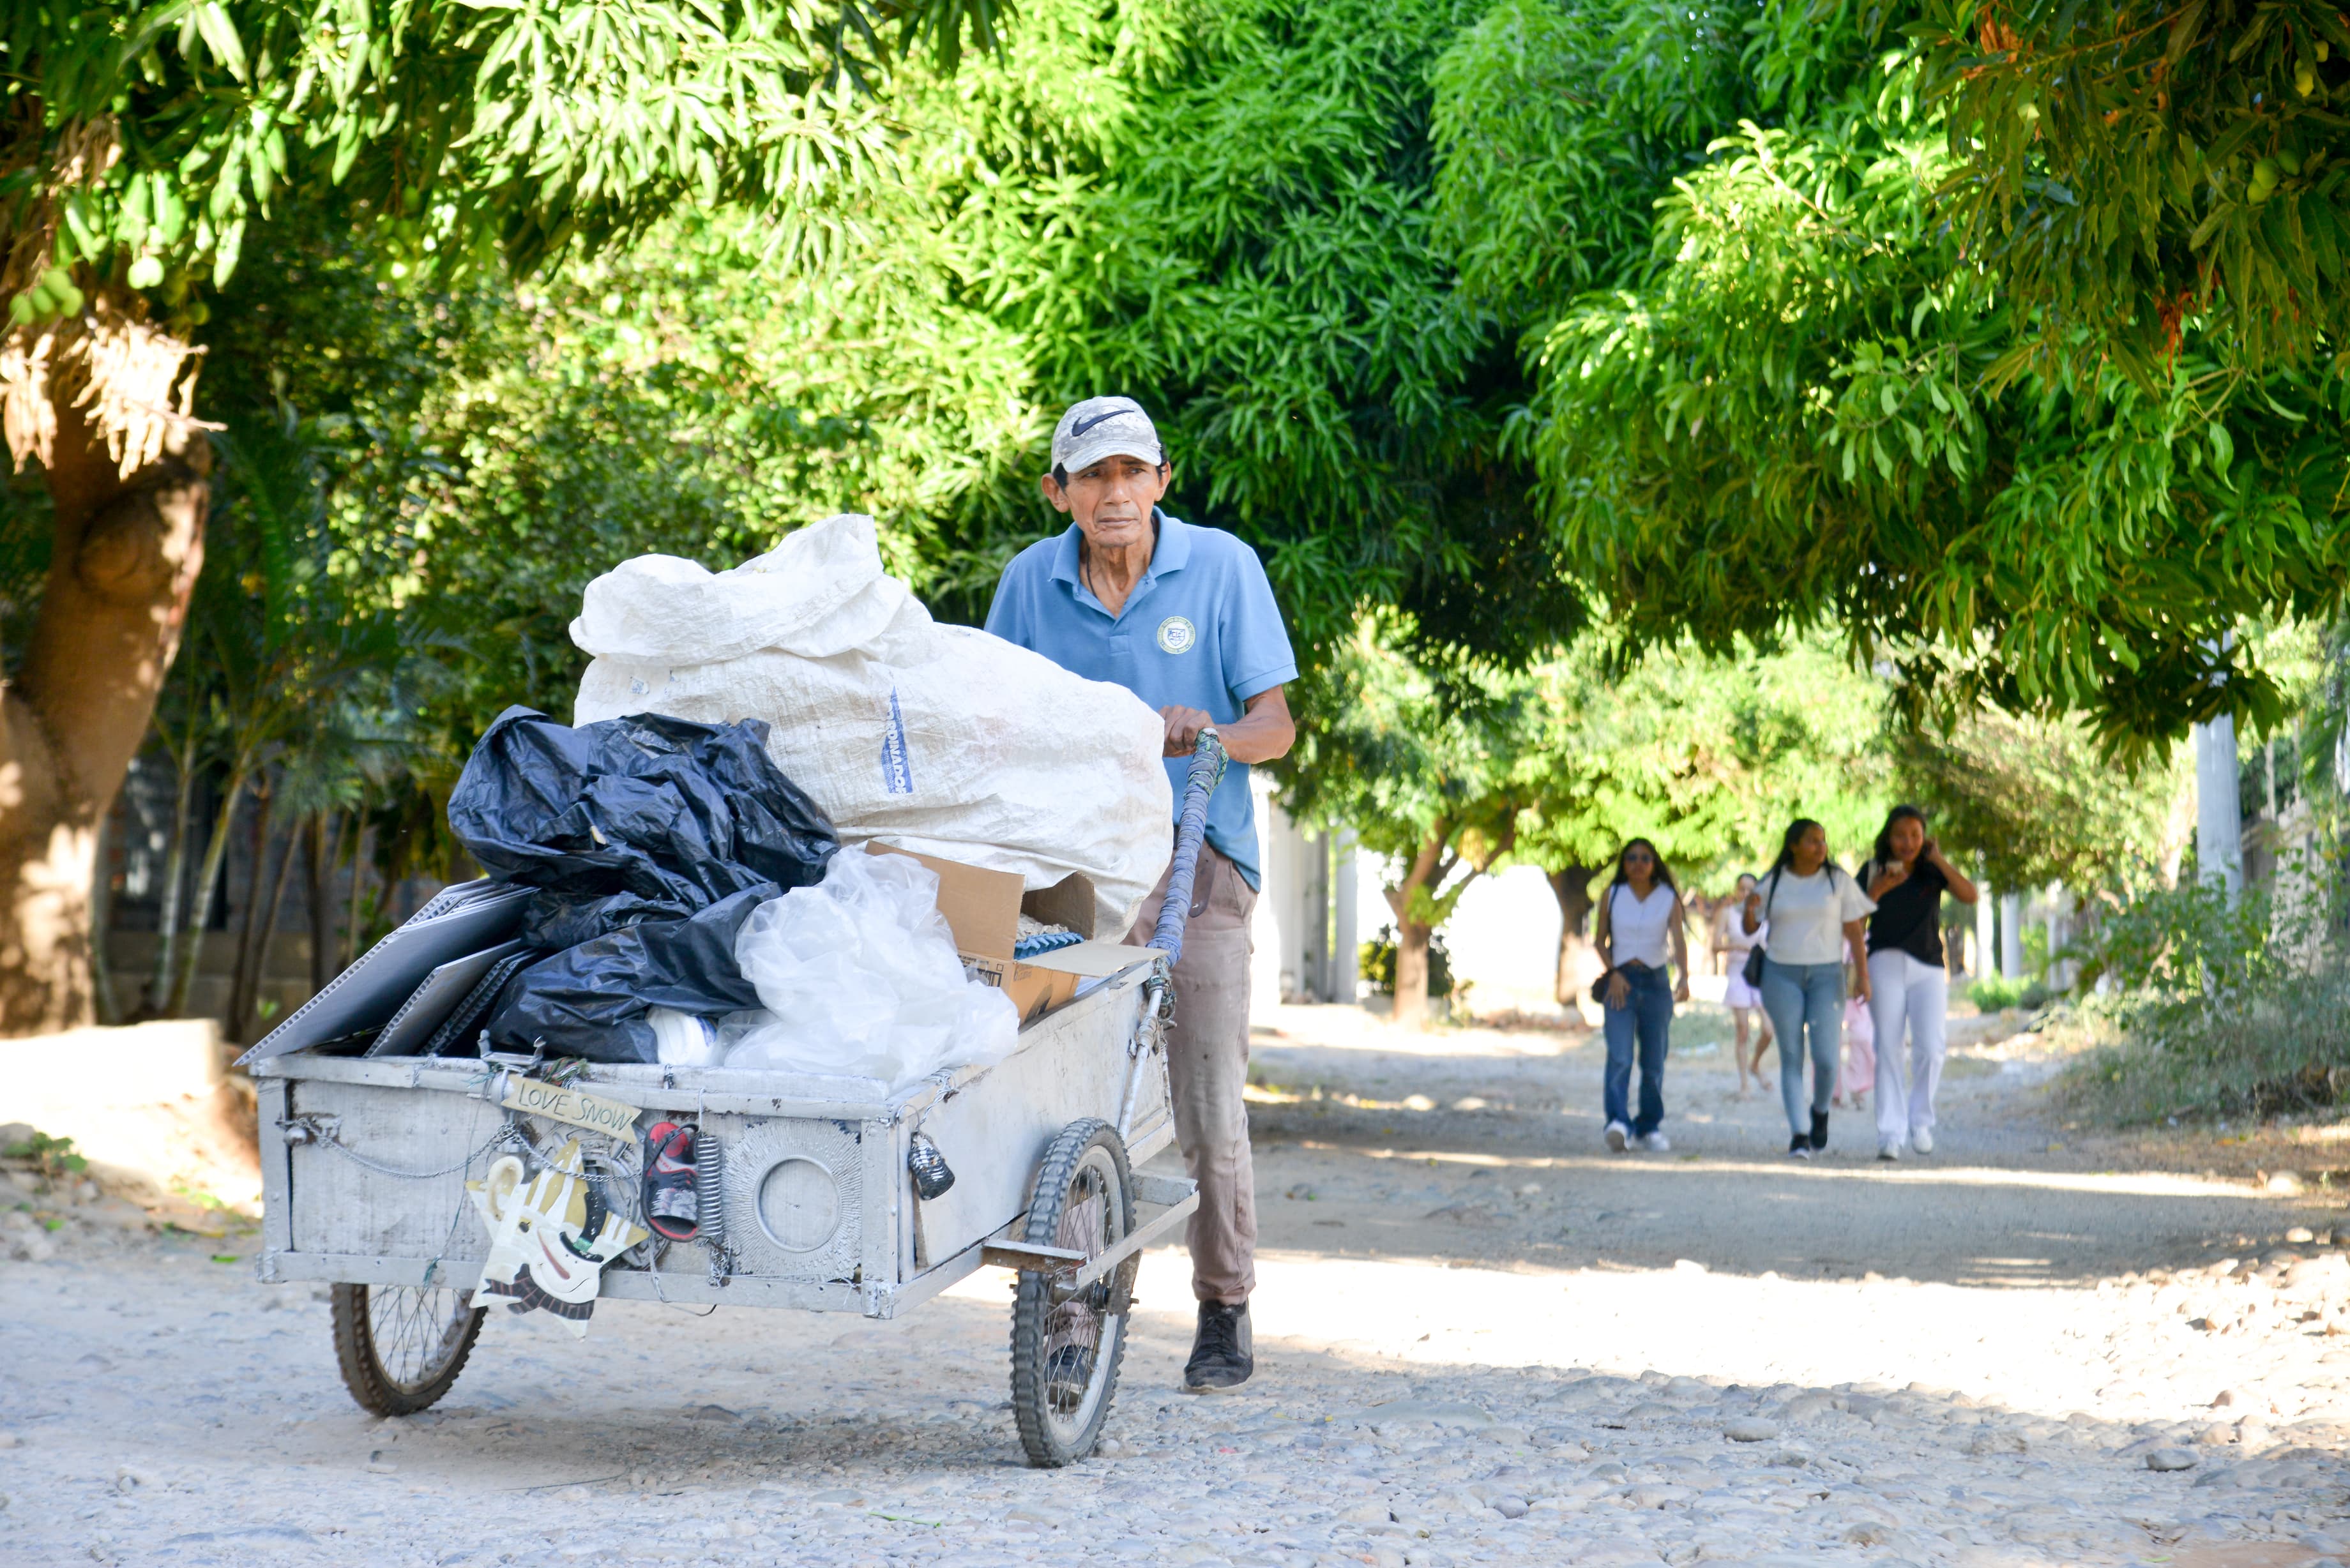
(1066, 1348)
(401, 1346)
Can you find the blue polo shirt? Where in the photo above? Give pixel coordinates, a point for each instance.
(1200, 630)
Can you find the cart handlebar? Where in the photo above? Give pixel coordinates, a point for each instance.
(1208, 761)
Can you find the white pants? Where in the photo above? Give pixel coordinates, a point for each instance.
(1905, 990)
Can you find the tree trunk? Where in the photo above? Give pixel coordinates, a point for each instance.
(173, 890)
(1411, 972)
(1578, 961)
(359, 887)
(1426, 871)
(257, 836)
(200, 902)
(260, 967)
(320, 855)
(100, 401)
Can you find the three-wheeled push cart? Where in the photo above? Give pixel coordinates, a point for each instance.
(386, 1175)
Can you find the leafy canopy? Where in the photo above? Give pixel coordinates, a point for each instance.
(456, 130)
(2138, 172)
(1786, 407)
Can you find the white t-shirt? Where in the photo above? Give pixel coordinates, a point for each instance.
(1807, 916)
(1636, 926)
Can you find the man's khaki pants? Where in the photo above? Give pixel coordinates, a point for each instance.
(1207, 1063)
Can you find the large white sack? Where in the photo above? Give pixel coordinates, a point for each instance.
(936, 739)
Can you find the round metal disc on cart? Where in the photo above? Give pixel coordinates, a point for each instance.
(798, 1205)
(792, 1192)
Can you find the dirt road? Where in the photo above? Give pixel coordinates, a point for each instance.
(1483, 1339)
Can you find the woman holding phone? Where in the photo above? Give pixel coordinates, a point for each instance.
(1906, 877)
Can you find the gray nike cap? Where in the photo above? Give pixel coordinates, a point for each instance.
(1105, 427)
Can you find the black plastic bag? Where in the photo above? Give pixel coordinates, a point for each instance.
(632, 818)
(590, 1000)
(650, 840)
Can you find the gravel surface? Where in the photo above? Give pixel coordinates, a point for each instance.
(1480, 1341)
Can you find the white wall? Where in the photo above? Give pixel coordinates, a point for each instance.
(1503, 939)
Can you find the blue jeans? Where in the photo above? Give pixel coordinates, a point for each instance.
(1648, 1013)
(1799, 996)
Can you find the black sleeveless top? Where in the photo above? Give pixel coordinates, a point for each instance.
(1908, 919)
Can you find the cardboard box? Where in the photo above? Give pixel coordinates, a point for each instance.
(982, 908)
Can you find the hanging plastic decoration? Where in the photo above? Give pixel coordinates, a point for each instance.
(550, 1236)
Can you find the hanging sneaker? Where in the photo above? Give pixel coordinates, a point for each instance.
(1222, 1352)
(672, 1209)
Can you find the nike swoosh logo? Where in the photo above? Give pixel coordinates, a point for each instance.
(1082, 425)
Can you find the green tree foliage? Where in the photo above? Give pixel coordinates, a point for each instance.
(1225, 213)
(2031, 802)
(1709, 757)
(144, 142)
(1225, 220)
(454, 131)
(1791, 410)
(1220, 208)
(2143, 172)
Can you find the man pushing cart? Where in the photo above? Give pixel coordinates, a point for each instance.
(1184, 618)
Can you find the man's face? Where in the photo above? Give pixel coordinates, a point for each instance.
(1111, 500)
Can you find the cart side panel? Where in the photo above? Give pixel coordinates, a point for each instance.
(993, 1130)
(888, 1190)
(276, 1208)
(339, 1206)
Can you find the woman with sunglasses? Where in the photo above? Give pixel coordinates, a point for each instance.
(1639, 934)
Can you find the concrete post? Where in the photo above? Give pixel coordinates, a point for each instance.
(2219, 818)
(1313, 916)
(1345, 942)
(1986, 953)
(2011, 935)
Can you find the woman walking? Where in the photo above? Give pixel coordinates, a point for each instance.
(1813, 909)
(1639, 933)
(1745, 1003)
(1907, 879)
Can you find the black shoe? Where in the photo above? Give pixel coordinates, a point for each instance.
(1819, 1131)
(1799, 1147)
(1222, 1353)
(1069, 1372)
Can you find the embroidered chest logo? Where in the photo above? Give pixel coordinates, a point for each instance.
(1177, 635)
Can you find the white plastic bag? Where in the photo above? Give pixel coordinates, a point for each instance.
(936, 739)
(682, 1039)
(860, 977)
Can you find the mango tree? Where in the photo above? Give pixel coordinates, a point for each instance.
(1795, 392)
(142, 144)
